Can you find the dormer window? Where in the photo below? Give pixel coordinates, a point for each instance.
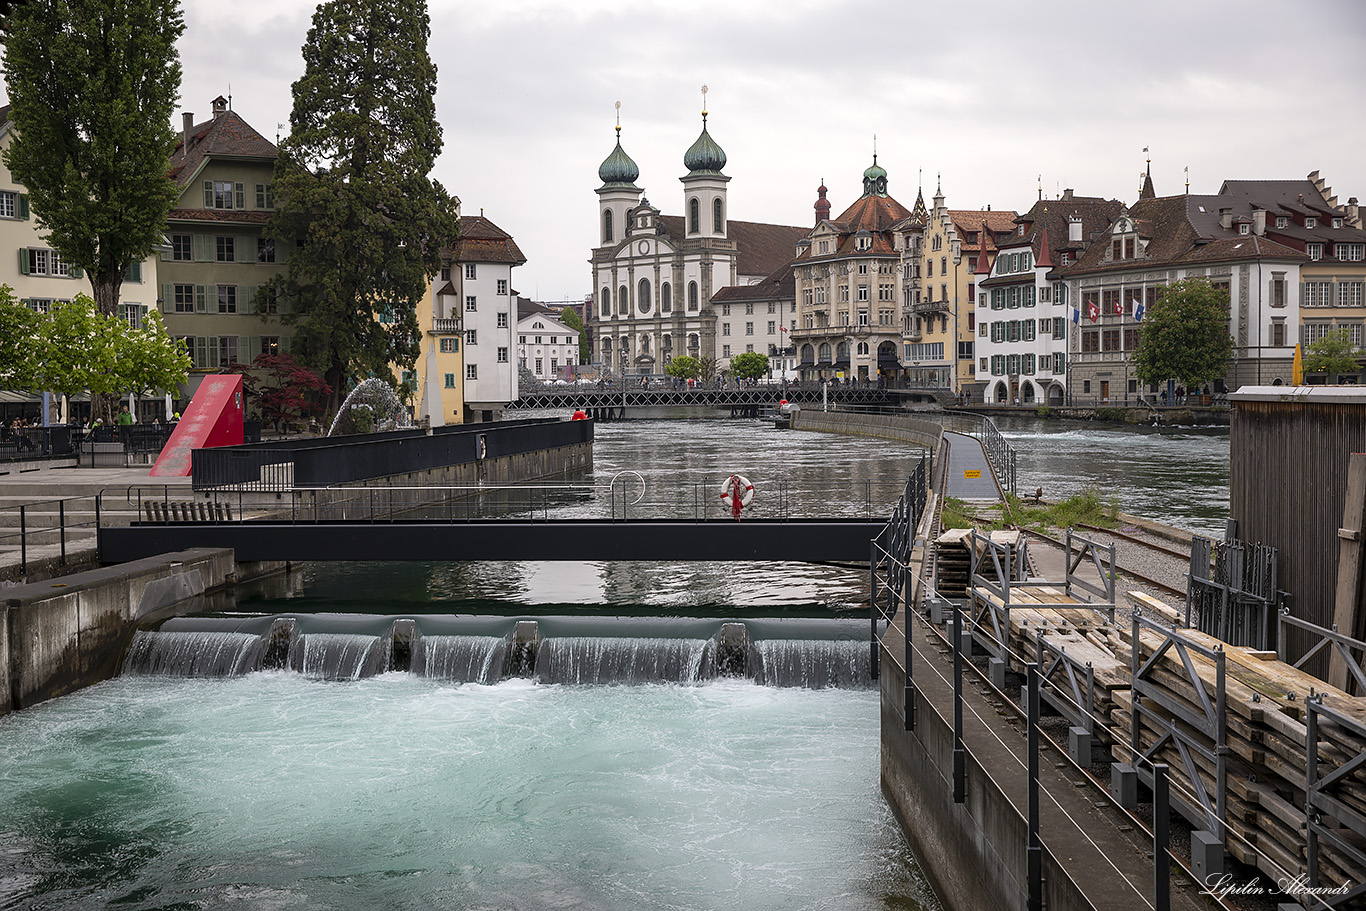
(1282, 221)
(825, 246)
(1315, 251)
(1311, 222)
(1066, 259)
(1337, 222)
(1020, 230)
(1245, 228)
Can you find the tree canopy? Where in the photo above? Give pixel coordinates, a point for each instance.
(94, 85)
(570, 317)
(1332, 354)
(18, 329)
(749, 366)
(1184, 336)
(685, 367)
(352, 181)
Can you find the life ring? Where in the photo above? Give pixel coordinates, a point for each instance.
(729, 488)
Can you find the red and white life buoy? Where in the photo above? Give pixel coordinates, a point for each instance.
(737, 493)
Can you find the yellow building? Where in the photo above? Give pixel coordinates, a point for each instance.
(437, 381)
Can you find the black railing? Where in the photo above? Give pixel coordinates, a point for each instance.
(36, 528)
(27, 443)
(327, 461)
(666, 393)
(999, 451)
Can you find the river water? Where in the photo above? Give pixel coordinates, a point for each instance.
(282, 790)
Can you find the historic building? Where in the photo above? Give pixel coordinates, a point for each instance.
(655, 275)
(1221, 238)
(856, 278)
(1023, 314)
(217, 256)
(759, 318)
(958, 243)
(545, 345)
(479, 289)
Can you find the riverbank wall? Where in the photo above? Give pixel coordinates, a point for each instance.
(1139, 415)
(913, 430)
(59, 636)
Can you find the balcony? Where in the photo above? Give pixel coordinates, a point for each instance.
(928, 306)
(444, 327)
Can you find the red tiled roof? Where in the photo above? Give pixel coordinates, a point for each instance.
(873, 213)
(481, 241)
(781, 285)
(226, 135)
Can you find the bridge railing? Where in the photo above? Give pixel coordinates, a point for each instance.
(998, 449)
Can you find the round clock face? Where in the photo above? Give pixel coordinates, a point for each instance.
(643, 247)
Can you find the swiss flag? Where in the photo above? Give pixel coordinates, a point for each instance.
(1093, 311)
(1119, 307)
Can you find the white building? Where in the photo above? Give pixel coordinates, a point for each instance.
(545, 345)
(481, 278)
(655, 275)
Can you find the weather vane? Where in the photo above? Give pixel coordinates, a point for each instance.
(618, 118)
(704, 101)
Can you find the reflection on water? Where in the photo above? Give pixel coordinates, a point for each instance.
(1179, 476)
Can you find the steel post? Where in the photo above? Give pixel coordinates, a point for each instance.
(960, 789)
(23, 539)
(1162, 862)
(61, 526)
(1034, 849)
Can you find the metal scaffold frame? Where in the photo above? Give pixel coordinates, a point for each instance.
(1321, 801)
(1233, 601)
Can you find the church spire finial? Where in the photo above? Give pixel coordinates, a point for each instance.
(618, 120)
(704, 104)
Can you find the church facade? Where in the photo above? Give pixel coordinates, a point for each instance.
(655, 275)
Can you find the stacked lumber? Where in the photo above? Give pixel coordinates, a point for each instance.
(952, 563)
(1266, 738)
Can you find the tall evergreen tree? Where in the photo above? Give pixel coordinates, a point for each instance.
(354, 187)
(93, 84)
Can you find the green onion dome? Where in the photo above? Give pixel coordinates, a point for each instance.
(704, 156)
(617, 169)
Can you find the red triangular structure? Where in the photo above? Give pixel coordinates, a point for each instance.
(213, 418)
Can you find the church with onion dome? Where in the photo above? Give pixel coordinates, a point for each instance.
(659, 279)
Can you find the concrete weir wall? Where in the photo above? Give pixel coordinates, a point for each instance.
(916, 431)
(60, 635)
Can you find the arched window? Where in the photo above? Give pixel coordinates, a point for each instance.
(692, 341)
(694, 216)
(644, 344)
(808, 354)
(606, 302)
(824, 352)
(607, 226)
(666, 303)
(643, 296)
(623, 302)
(607, 347)
(692, 296)
(718, 224)
(841, 352)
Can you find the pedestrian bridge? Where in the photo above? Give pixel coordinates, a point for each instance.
(601, 401)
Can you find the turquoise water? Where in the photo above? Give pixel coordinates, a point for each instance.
(276, 791)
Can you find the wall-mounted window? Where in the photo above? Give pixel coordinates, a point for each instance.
(471, 337)
(694, 216)
(1315, 251)
(471, 371)
(227, 298)
(225, 249)
(607, 226)
(224, 194)
(265, 250)
(502, 286)
(450, 346)
(470, 271)
(666, 303)
(718, 222)
(692, 301)
(471, 303)
(265, 196)
(502, 355)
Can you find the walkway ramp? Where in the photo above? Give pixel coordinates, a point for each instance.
(213, 418)
(970, 476)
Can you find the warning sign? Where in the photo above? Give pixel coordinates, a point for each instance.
(972, 472)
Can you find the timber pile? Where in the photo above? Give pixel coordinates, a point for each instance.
(953, 563)
(1266, 743)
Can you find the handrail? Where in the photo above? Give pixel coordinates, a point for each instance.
(999, 451)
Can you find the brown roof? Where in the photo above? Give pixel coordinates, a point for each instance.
(226, 135)
(781, 285)
(873, 213)
(1096, 215)
(760, 249)
(481, 241)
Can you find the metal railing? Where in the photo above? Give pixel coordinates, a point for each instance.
(37, 527)
(999, 451)
(38, 443)
(1336, 643)
(629, 394)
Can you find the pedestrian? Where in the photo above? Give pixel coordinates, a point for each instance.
(125, 418)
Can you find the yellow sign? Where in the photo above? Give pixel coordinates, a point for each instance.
(972, 472)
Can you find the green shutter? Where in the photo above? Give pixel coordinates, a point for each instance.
(167, 298)
(203, 248)
(201, 298)
(246, 298)
(208, 194)
(286, 342)
(23, 262)
(23, 206)
(240, 194)
(260, 196)
(78, 272)
(134, 272)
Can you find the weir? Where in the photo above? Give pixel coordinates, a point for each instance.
(811, 653)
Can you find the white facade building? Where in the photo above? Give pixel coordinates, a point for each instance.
(481, 277)
(545, 345)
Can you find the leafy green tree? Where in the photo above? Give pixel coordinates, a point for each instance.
(749, 366)
(1332, 354)
(706, 368)
(18, 354)
(94, 85)
(147, 359)
(685, 367)
(570, 317)
(354, 190)
(1185, 335)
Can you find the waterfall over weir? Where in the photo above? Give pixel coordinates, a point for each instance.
(787, 652)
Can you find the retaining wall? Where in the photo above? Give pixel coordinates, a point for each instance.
(59, 636)
(916, 431)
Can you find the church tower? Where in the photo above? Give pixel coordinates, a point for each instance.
(704, 187)
(618, 193)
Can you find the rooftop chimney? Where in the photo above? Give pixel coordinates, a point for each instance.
(1067, 194)
(186, 128)
(1259, 222)
(1073, 228)
(220, 106)
(1353, 213)
(1226, 218)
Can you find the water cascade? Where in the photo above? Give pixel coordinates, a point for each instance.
(462, 659)
(814, 663)
(584, 659)
(338, 656)
(204, 653)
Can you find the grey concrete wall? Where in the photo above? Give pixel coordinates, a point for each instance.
(917, 431)
(64, 635)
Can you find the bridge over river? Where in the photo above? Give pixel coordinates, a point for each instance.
(610, 402)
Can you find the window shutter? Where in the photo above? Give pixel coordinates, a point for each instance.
(77, 272)
(246, 298)
(167, 298)
(23, 262)
(203, 248)
(23, 206)
(286, 342)
(208, 194)
(260, 196)
(201, 298)
(134, 271)
(241, 197)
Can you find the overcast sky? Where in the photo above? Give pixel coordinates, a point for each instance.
(990, 94)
